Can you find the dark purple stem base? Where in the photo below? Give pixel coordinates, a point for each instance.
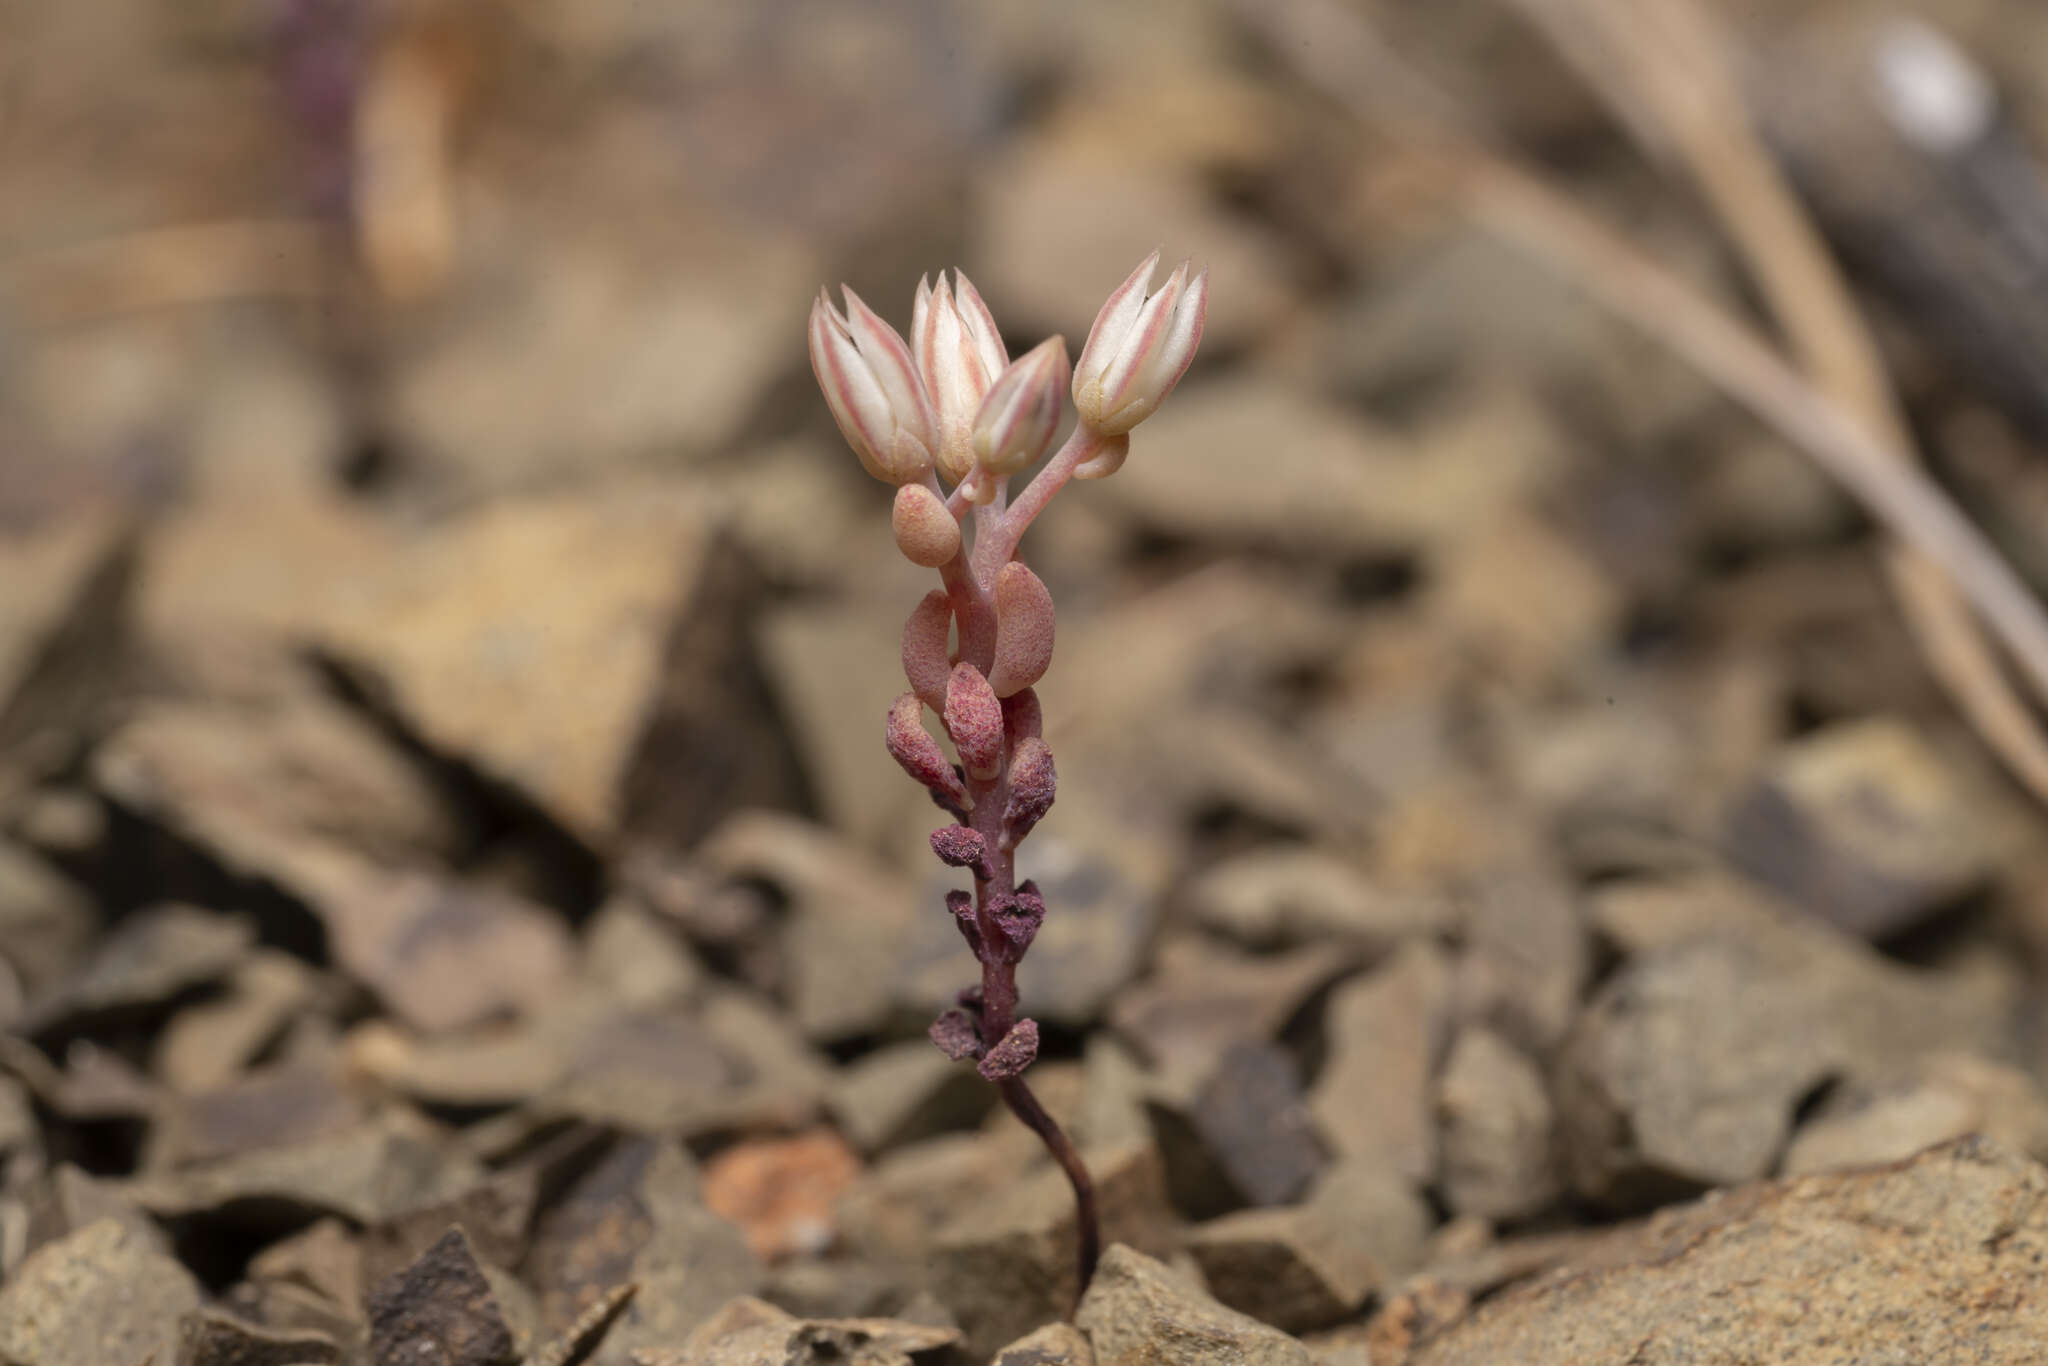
(1088, 1223)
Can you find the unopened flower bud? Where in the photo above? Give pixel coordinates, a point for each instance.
(872, 387)
(974, 718)
(912, 746)
(925, 661)
(926, 533)
(1018, 418)
(1024, 630)
(959, 353)
(1033, 784)
(1139, 347)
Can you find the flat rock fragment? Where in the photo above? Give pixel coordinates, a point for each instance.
(1387, 1030)
(1937, 1258)
(96, 1296)
(439, 1311)
(1138, 1313)
(1292, 1267)
(1865, 824)
(1498, 1129)
(751, 1332)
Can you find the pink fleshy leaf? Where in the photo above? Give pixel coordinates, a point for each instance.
(912, 746)
(974, 718)
(1032, 786)
(1024, 629)
(925, 661)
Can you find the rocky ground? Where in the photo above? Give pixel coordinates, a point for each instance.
(1517, 891)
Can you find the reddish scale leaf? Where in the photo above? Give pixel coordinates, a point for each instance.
(912, 746)
(974, 718)
(1019, 920)
(925, 661)
(956, 1035)
(1024, 630)
(958, 846)
(1032, 785)
(962, 907)
(1014, 1052)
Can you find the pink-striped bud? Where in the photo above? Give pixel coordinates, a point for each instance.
(1139, 347)
(974, 718)
(926, 533)
(1024, 630)
(1032, 787)
(925, 660)
(959, 353)
(1018, 418)
(912, 746)
(871, 385)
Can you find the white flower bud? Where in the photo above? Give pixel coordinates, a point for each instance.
(1139, 347)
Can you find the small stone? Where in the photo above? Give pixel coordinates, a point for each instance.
(1933, 1100)
(1686, 1067)
(1386, 1032)
(1254, 1119)
(633, 959)
(1292, 1268)
(266, 1107)
(906, 1092)
(211, 1338)
(1498, 1129)
(1056, 1344)
(440, 1312)
(847, 916)
(531, 637)
(46, 923)
(1137, 1313)
(1526, 957)
(241, 776)
(897, 1207)
(147, 961)
(1202, 1000)
(1291, 894)
(445, 954)
(782, 1192)
(1004, 1262)
(1946, 1248)
(207, 1043)
(324, 1259)
(1866, 825)
(634, 1216)
(1524, 600)
(1377, 1211)
(366, 1174)
(97, 1296)
(493, 1214)
(751, 1332)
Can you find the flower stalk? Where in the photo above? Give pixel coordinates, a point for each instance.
(951, 407)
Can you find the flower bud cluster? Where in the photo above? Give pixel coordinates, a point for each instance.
(950, 405)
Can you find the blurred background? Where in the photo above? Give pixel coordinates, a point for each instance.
(444, 642)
